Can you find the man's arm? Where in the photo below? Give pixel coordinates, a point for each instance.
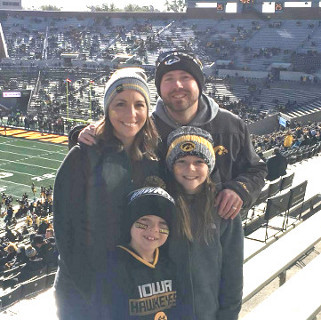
(82, 133)
(249, 172)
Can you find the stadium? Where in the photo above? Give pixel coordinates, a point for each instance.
(262, 61)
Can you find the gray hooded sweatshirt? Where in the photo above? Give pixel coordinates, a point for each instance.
(241, 169)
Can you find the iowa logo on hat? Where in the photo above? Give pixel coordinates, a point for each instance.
(172, 60)
(160, 316)
(119, 88)
(187, 146)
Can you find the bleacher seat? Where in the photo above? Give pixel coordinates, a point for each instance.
(274, 187)
(287, 181)
(33, 286)
(11, 297)
(276, 206)
(263, 196)
(296, 197)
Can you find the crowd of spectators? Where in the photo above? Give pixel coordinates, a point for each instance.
(27, 243)
(99, 40)
(295, 136)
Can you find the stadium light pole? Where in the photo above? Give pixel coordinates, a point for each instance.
(67, 96)
(90, 98)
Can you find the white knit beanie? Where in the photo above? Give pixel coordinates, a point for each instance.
(131, 78)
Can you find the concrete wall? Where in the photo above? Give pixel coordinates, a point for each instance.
(271, 123)
(294, 76)
(191, 13)
(240, 73)
(313, 117)
(264, 126)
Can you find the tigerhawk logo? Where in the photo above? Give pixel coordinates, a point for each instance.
(160, 316)
(187, 146)
(220, 150)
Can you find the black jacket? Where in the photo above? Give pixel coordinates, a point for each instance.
(89, 198)
(276, 166)
(131, 288)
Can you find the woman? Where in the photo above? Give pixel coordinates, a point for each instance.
(208, 250)
(91, 186)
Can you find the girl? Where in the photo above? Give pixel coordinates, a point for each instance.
(91, 186)
(208, 250)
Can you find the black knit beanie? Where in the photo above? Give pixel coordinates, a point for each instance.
(149, 201)
(179, 60)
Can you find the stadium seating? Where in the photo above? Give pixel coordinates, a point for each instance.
(297, 299)
(33, 286)
(280, 255)
(287, 181)
(287, 205)
(274, 187)
(10, 298)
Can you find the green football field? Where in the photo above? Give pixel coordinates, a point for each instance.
(23, 162)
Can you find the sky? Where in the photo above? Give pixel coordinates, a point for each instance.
(81, 5)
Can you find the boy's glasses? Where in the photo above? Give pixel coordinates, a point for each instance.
(175, 53)
(144, 226)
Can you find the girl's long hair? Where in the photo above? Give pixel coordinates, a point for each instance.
(145, 142)
(203, 218)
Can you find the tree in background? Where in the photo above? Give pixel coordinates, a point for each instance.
(175, 5)
(129, 8)
(135, 8)
(49, 7)
(103, 7)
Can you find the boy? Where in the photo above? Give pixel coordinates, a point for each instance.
(139, 281)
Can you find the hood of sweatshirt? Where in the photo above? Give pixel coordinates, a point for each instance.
(206, 112)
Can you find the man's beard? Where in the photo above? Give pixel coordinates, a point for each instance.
(180, 105)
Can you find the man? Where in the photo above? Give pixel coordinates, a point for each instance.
(288, 140)
(45, 250)
(179, 81)
(276, 165)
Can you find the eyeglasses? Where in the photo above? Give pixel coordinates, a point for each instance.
(177, 53)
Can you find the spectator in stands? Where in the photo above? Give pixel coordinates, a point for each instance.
(49, 233)
(93, 182)
(33, 264)
(208, 250)
(43, 226)
(21, 255)
(8, 217)
(179, 81)
(138, 263)
(288, 140)
(45, 250)
(8, 261)
(276, 165)
(10, 235)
